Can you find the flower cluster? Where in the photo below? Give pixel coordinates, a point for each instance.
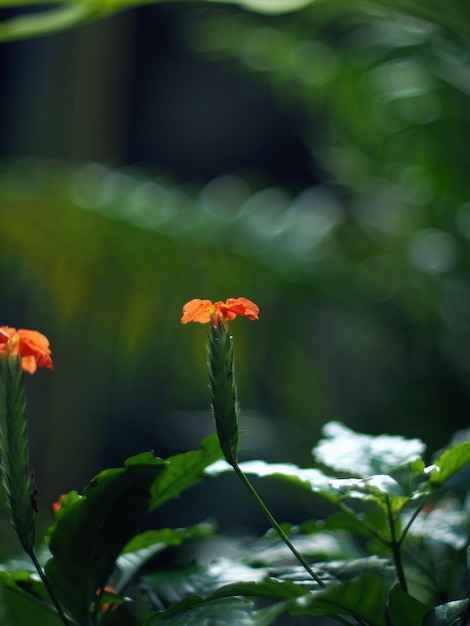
(204, 311)
(30, 345)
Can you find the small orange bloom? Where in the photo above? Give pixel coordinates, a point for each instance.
(30, 345)
(56, 506)
(107, 606)
(204, 311)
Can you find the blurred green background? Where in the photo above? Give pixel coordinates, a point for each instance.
(314, 161)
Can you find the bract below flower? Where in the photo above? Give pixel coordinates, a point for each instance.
(204, 311)
(30, 345)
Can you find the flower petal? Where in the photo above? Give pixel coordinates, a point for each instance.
(242, 306)
(197, 310)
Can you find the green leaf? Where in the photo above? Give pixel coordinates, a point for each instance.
(351, 569)
(358, 524)
(91, 531)
(222, 612)
(24, 601)
(145, 546)
(268, 588)
(405, 610)
(183, 471)
(446, 614)
(346, 451)
(448, 466)
(200, 579)
(382, 490)
(195, 607)
(362, 598)
(409, 475)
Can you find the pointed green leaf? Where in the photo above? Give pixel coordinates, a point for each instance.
(146, 545)
(267, 588)
(449, 464)
(91, 531)
(207, 609)
(184, 470)
(24, 601)
(405, 610)
(221, 612)
(362, 598)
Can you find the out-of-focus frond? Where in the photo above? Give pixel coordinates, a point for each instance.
(454, 15)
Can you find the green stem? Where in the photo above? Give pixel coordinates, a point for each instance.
(275, 525)
(415, 514)
(395, 547)
(47, 585)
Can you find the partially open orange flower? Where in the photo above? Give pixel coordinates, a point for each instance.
(107, 606)
(30, 345)
(56, 506)
(204, 311)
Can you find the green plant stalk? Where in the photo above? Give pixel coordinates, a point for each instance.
(395, 545)
(275, 524)
(15, 466)
(225, 411)
(47, 585)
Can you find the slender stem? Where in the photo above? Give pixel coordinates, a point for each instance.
(275, 525)
(414, 515)
(395, 547)
(47, 585)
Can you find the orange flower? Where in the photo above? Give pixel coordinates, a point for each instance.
(204, 311)
(30, 345)
(56, 506)
(107, 606)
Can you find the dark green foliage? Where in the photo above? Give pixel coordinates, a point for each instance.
(91, 531)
